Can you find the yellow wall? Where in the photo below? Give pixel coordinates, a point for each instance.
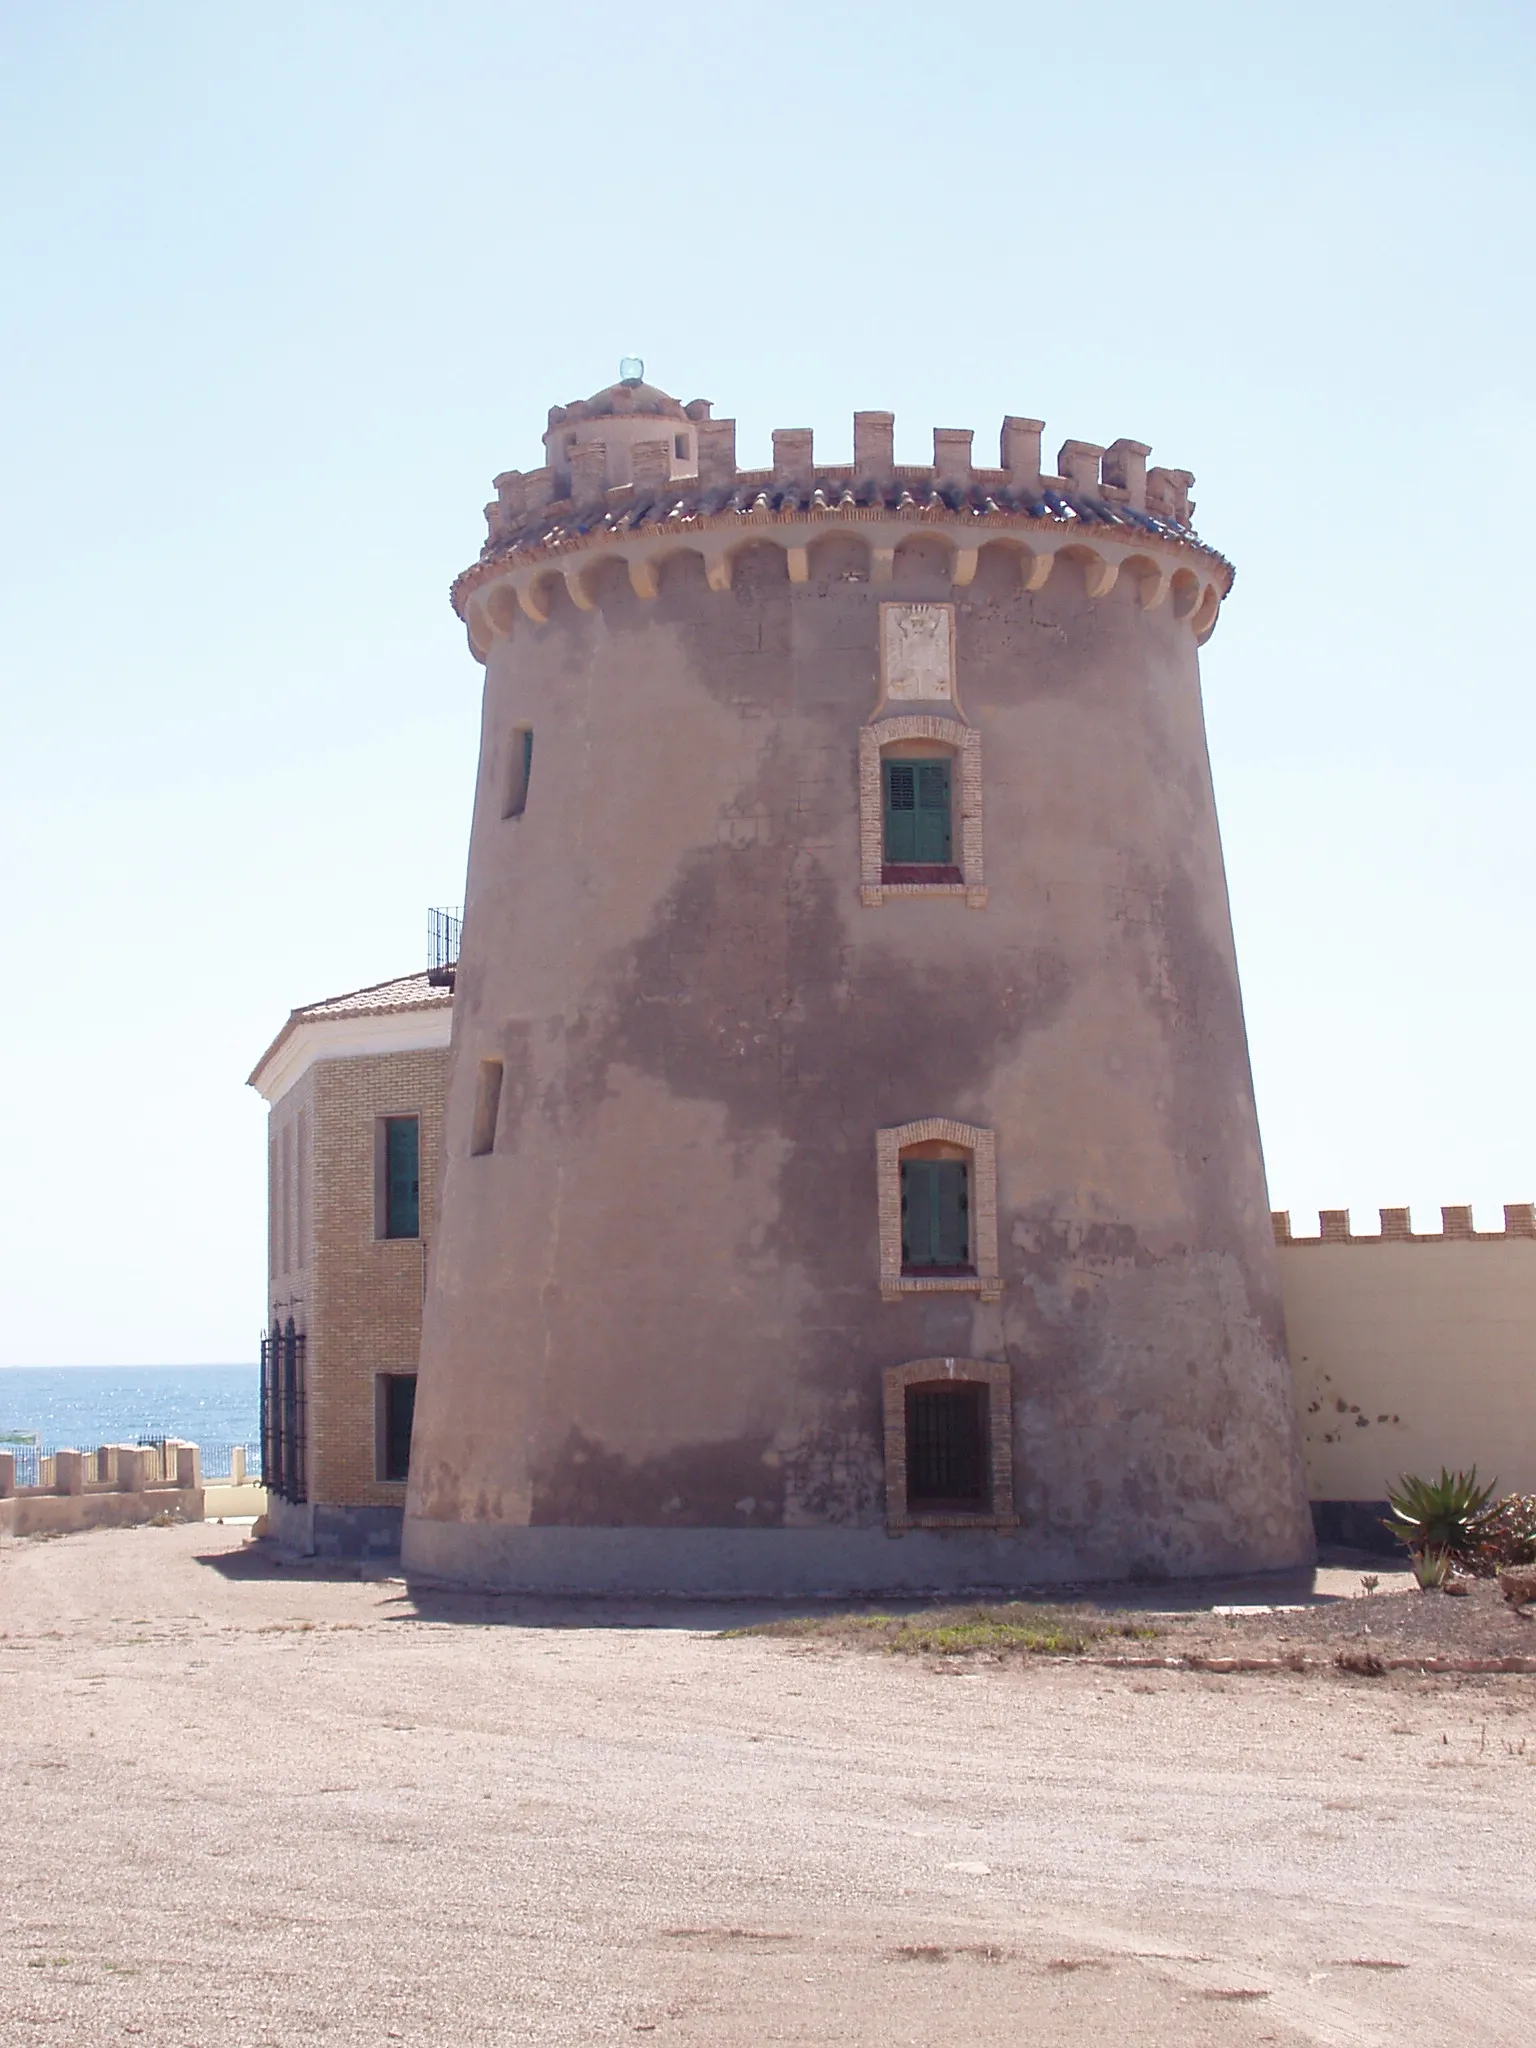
(1413, 1355)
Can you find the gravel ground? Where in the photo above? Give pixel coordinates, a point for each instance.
(249, 1804)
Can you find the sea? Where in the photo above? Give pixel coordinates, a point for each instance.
(80, 1406)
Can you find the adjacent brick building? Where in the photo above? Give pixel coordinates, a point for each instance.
(356, 1087)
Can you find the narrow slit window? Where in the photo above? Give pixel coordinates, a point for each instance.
(680, 447)
(947, 1463)
(918, 827)
(482, 1137)
(520, 769)
(935, 1216)
(402, 1176)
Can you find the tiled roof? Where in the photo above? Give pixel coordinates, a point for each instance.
(764, 498)
(410, 992)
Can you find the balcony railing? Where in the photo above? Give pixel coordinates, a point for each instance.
(443, 930)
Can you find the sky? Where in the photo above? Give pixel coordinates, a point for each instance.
(284, 286)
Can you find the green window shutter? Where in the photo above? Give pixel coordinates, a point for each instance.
(932, 814)
(900, 811)
(914, 1210)
(402, 1176)
(951, 1214)
(917, 814)
(935, 1213)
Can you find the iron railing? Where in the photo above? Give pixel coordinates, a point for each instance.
(218, 1460)
(444, 929)
(947, 1445)
(29, 1459)
(282, 1411)
(35, 1461)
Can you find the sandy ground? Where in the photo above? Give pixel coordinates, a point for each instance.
(248, 1805)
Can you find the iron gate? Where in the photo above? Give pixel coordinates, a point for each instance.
(282, 1411)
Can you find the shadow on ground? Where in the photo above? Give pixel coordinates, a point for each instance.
(1335, 1578)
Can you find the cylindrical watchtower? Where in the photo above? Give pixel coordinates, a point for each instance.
(852, 1173)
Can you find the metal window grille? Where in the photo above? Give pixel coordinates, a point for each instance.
(445, 928)
(947, 1465)
(282, 1412)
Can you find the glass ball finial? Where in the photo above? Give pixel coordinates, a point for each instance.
(631, 370)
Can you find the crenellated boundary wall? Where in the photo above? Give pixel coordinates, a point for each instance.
(119, 1486)
(1410, 1350)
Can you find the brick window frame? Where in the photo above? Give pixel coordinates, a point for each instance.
(964, 742)
(997, 1378)
(982, 1146)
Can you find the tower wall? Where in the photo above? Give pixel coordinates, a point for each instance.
(662, 1320)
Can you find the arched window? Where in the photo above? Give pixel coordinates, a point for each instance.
(917, 813)
(920, 809)
(936, 1236)
(937, 1182)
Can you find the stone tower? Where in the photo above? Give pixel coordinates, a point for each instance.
(852, 1178)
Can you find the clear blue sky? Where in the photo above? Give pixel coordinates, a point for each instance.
(285, 285)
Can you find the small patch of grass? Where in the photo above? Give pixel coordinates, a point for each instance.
(1009, 1627)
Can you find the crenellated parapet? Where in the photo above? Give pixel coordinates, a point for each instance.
(634, 475)
(1396, 1227)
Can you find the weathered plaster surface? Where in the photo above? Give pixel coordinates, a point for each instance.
(655, 1306)
(1410, 1356)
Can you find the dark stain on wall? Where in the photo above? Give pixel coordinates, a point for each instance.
(750, 990)
(737, 1484)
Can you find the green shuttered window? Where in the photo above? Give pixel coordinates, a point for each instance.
(935, 1215)
(917, 813)
(402, 1176)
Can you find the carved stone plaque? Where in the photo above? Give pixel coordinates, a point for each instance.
(917, 650)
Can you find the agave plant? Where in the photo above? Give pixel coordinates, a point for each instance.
(1444, 1514)
(1432, 1569)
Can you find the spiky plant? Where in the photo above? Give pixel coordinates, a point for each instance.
(1446, 1514)
(1432, 1569)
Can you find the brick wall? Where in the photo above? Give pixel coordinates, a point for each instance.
(290, 1202)
(359, 1298)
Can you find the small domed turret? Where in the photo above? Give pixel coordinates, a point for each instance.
(616, 421)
